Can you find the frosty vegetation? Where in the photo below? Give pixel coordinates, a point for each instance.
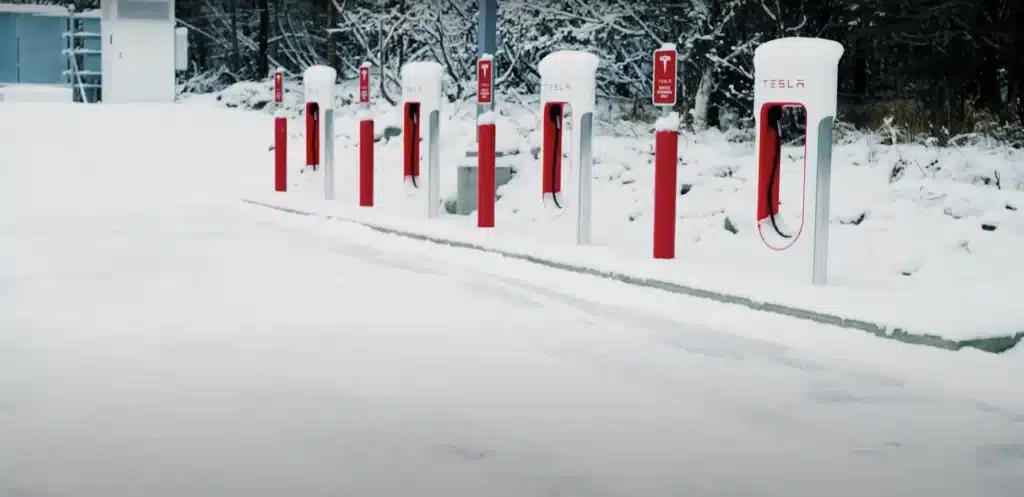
(919, 71)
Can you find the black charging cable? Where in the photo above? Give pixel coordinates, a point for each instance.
(316, 138)
(555, 115)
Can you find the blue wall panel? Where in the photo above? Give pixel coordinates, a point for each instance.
(40, 45)
(8, 49)
(92, 62)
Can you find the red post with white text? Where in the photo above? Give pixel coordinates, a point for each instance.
(365, 139)
(280, 136)
(486, 143)
(666, 151)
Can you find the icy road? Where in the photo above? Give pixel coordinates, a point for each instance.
(159, 338)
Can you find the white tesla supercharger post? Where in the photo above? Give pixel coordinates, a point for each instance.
(796, 72)
(569, 78)
(318, 90)
(421, 100)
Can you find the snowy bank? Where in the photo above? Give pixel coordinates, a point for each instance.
(923, 238)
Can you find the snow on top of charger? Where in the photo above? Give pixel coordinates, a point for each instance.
(422, 69)
(321, 74)
(422, 82)
(570, 61)
(318, 85)
(797, 48)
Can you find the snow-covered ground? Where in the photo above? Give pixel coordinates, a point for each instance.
(922, 237)
(160, 338)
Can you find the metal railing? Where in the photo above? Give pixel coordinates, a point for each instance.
(75, 75)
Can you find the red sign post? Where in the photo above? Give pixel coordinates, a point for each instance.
(365, 139)
(280, 136)
(278, 86)
(666, 152)
(484, 80)
(486, 144)
(364, 84)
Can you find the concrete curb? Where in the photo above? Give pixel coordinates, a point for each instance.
(994, 345)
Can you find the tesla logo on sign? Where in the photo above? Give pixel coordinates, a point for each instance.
(782, 83)
(278, 86)
(364, 85)
(665, 77)
(484, 81)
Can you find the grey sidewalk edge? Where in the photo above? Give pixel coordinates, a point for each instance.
(996, 344)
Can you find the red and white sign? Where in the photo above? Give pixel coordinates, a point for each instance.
(484, 81)
(278, 86)
(665, 77)
(364, 85)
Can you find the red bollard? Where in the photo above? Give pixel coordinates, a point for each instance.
(485, 175)
(365, 139)
(666, 155)
(280, 154)
(280, 137)
(366, 163)
(312, 135)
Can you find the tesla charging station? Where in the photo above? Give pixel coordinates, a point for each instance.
(318, 83)
(421, 100)
(569, 79)
(802, 73)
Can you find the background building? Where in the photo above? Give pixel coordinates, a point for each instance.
(51, 45)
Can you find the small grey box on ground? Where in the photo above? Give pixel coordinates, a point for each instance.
(466, 198)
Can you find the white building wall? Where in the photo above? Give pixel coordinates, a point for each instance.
(138, 51)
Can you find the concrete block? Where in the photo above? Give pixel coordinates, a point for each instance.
(466, 198)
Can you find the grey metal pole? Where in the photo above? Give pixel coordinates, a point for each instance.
(585, 163)
(488, 44)
(434, 165)
(328, 145)
(488, 27)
